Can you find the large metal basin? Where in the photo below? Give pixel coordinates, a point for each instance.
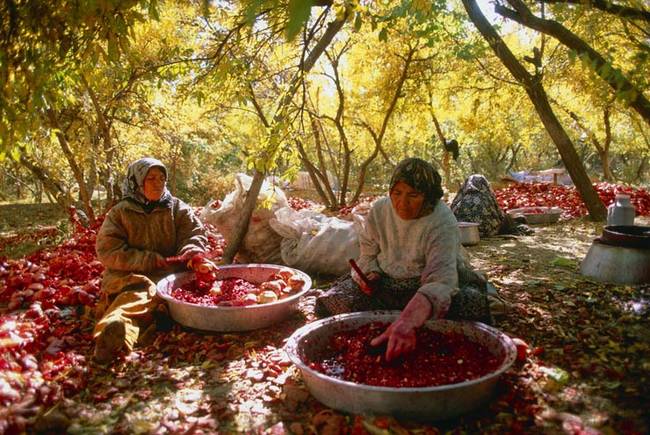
(424, 404)
(627, 236)
(231, 318)
(533, 216)
(616, 264)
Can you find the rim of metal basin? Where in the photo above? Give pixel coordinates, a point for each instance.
(293, 351)
(186, 276)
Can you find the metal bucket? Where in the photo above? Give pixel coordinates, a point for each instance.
(231, 318)
(469, 234)
(424, 404)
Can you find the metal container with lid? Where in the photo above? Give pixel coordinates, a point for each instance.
(621, 211)
(425, 403)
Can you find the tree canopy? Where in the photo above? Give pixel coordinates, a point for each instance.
(341, 89)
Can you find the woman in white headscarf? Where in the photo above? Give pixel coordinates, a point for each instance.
(139, 233)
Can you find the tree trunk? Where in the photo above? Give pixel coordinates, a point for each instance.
(241, 228)
(312, 171)
(378, 138)
(537, 94)
(76, 170)
(604, 156)
(104, 124)
(601, 149)
(60, 195)
(639, 176)
(321, 174)
(443, 140)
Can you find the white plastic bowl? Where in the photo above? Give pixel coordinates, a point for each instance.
(244, 318)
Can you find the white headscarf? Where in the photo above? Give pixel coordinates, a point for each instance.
(132, 188)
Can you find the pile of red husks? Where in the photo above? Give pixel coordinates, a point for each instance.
(439, 359)
(567, 198)
(364, 203)
(44, 333)
(42, 345)
(300, 204)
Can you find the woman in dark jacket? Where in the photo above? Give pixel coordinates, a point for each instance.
(139, 232)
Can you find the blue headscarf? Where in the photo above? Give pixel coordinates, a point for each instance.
(132, 188)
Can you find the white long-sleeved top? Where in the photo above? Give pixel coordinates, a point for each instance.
(426, 247)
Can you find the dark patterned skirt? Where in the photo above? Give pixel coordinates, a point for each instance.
(345, 296)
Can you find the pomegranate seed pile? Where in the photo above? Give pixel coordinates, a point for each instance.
(439, 359)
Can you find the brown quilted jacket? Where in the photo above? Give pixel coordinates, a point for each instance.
(133, 242)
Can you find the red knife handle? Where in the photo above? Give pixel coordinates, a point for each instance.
(366, 285)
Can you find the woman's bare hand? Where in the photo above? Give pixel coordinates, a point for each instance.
(400, 335)
(373, 276)
(401, 339)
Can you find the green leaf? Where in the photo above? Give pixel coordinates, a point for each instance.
(563, 262)
(15, 153)
(113, 49)
(205, 8)
(357, 22)
(556, 374)
(153, 10)
(383, 35)
(299, 11)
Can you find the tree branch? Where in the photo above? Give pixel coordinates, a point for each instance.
(614, 77)
(609, 7)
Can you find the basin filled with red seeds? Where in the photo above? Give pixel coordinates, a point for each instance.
(229, 309)
(441, 358)
(453, 371)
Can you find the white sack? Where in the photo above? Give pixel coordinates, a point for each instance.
(315, 243)
(261, 244)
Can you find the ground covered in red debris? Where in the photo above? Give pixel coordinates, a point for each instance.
(586, 368)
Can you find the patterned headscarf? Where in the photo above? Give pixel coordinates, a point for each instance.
(421, 176)
(132, 188)
(476, 183)
(475, 202)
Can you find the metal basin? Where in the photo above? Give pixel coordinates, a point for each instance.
(621, 265)
(630, 236)
(533, 216)
(469, 234)
(231, 318)
(424, 404)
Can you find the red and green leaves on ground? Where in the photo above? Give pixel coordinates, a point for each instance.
(586, 368)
